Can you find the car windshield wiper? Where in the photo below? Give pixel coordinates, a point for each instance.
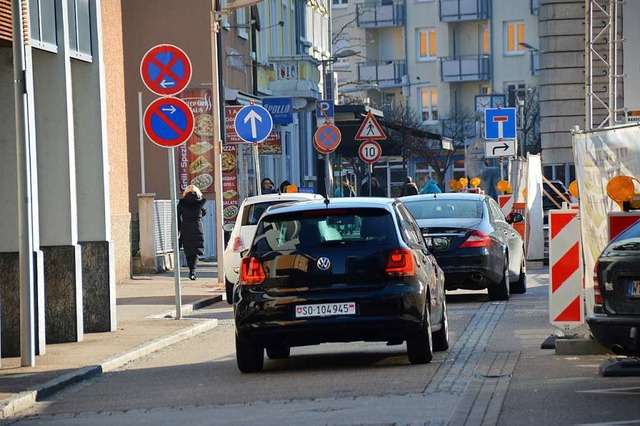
(628, 246)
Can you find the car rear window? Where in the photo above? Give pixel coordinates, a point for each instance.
(324, 228)
(441, 208)
(252, 212)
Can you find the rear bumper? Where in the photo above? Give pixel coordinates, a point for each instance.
(394, 312)
(475, 270)
(616, 330)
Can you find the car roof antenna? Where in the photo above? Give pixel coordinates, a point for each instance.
(326, 194)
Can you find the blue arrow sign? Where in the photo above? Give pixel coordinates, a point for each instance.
(500, 123)
(253, 123)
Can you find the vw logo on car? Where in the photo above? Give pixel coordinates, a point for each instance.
(323, 263)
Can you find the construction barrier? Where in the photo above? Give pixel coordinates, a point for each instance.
(520, 226)
(619, 221)
(506, 203)
(566, 310)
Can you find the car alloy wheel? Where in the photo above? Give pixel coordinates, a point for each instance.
(441, 337)
(420, 345)
(249, 355)
(500, 291)
(520, 286)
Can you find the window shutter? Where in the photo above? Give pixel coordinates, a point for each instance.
(5, 22)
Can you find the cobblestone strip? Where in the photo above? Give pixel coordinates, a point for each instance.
(482, 399)
(458, 368)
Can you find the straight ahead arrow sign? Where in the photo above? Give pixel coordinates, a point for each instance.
(253, 116)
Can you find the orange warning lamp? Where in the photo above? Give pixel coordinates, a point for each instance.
(621, 189)
(475, 182)
(573, 189)
(524, 193)
(291, 188)
(452, 183)
(463, 181)
(503, 186)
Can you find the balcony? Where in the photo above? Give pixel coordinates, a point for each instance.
(296, 76)
(534, 6)
(383, 73)
(465, 68)
(380, 14)
(463, 10)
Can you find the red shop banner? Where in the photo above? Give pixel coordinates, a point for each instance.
(271, 146)
(195, 165)
(229, 184)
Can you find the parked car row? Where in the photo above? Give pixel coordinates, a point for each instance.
(309, 270)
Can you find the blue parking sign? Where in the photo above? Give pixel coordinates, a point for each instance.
(500, 123)
(323, 107)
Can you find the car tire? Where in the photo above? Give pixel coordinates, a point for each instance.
(420, 345)
(500, 291)
(441, 337)
(278, 351)
(228, 286)
(520, 286)
(249, 355)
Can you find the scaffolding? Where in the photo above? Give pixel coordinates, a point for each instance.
(601, 53)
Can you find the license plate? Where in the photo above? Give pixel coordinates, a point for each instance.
(634, 288)
(325, 310)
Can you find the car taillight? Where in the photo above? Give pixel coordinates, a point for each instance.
(477, 239)
(400, 263)
(597, 295)
(251, 271)
(238, 244)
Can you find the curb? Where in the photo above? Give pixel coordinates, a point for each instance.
(27, 399)
(188, 308)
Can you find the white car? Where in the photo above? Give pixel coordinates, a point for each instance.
(245, 228)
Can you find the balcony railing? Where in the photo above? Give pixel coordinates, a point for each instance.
(296, 76)
(465, 68)
(382, 73)
(464, 10)
(380, 14)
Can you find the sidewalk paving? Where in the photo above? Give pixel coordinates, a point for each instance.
(146, 323)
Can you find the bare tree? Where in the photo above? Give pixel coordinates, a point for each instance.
(529, 121)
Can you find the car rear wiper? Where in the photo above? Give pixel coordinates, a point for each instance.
(628, 246)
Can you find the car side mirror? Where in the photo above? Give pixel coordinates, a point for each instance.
(227, 227)
(514, 218)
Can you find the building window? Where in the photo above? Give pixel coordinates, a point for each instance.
(241, 21)
(514, 91)
(486, 45)
(513, 36)
(339, 4)
(485, 90)
(429, 104)
(224, 22)
(427, 44)
(42, 16)
(79, 28)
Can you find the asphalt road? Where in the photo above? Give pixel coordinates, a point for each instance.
(494, 373)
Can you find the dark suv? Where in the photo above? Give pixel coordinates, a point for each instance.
(339, 270)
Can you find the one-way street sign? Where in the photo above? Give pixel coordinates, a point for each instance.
(506, 148)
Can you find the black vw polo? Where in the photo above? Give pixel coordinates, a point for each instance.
(339, 270)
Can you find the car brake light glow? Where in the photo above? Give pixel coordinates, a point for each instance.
(400, 263)
(597, 295)
(251, 271)
(477, 239)
(238, 244)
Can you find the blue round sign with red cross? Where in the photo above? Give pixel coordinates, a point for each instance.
(165, 70)
(327, 138)
(168, 122)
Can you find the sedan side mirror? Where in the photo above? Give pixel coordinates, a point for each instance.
(514, 218)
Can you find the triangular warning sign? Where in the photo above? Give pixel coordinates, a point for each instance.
(370, 129)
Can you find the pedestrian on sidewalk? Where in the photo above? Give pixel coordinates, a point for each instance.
(191, 209)
(409, 188)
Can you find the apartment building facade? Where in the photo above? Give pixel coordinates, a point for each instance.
(456, 58)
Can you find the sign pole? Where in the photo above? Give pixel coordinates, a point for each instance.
(370, 177)
(256, 161)
(329, 173)
(174, 231)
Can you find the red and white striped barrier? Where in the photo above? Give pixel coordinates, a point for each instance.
(619, 221)
(566, 310)
(506, 203)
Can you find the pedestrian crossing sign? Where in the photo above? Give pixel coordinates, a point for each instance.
(370, 129)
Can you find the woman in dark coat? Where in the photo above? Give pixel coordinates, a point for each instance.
(409, 188)
(191, 208)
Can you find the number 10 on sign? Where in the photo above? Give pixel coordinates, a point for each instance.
(370, 151)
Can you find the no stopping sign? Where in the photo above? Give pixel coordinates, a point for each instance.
(370, 151)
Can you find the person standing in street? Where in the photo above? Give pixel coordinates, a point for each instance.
(376, 189)
(409, 188)
(430, 187)
(267, 186)
(345, 189)
(191, 209)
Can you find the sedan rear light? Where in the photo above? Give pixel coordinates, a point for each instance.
(238, 244)
(400, 263)
(477, 239)
(251, 271)
(597, 295)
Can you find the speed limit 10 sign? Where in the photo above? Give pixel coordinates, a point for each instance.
(370, 151)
